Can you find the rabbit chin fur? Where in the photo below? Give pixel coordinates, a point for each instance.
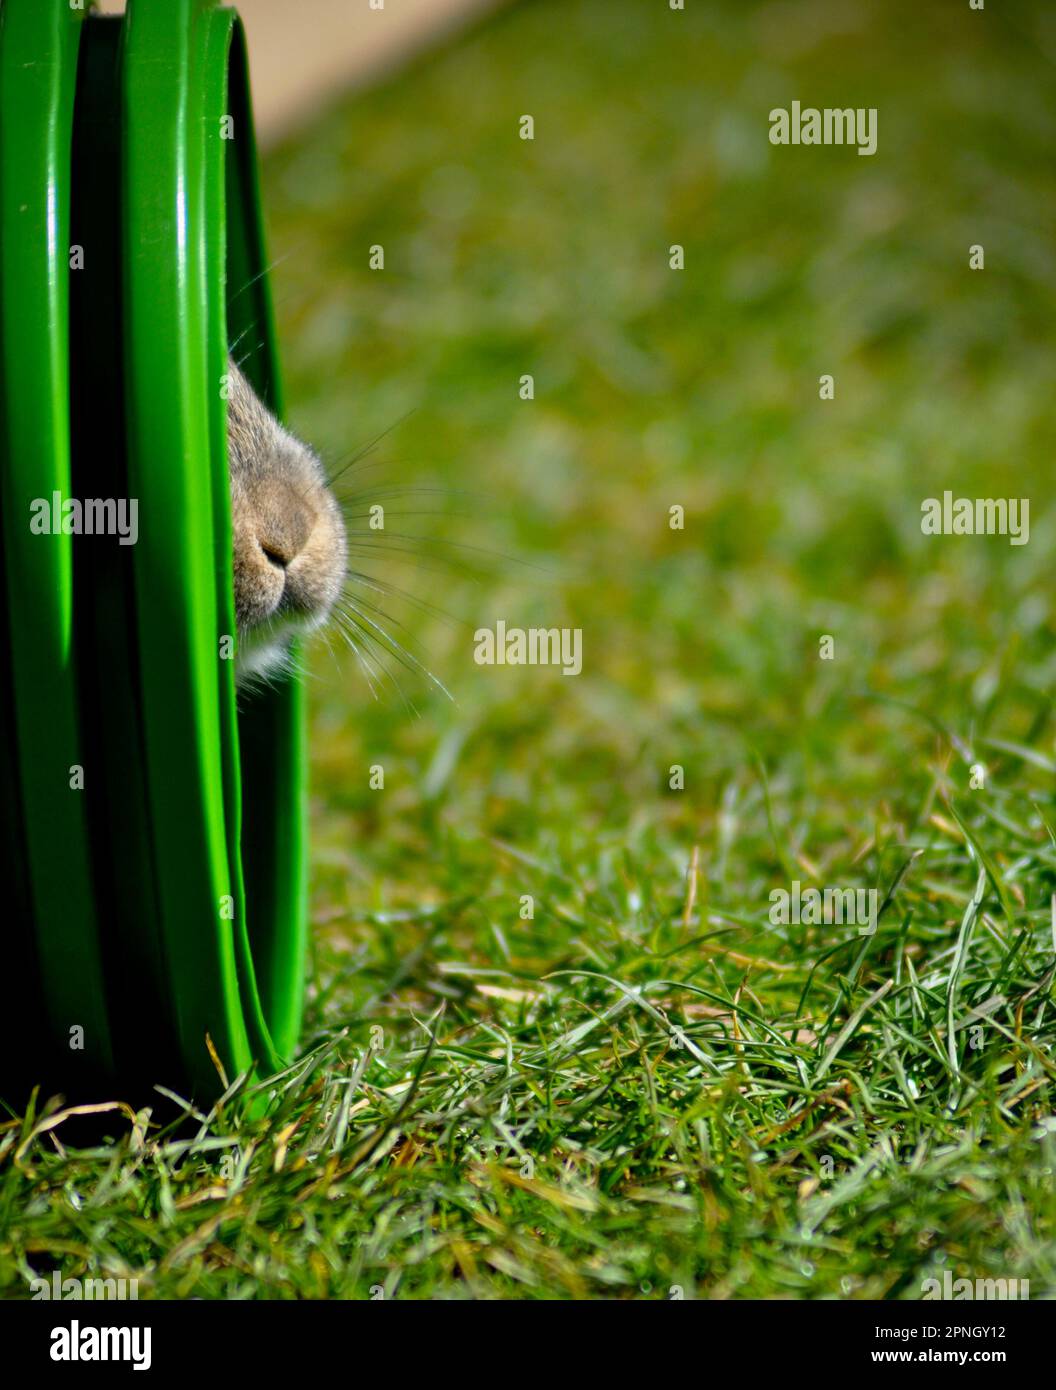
(288, 536)
(264, 652)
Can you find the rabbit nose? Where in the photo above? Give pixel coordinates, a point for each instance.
(283, 531)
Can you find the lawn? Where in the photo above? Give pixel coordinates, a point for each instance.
(556, 1046)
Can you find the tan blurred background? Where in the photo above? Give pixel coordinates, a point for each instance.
(302, 52)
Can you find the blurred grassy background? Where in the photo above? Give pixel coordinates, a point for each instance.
(655, 387)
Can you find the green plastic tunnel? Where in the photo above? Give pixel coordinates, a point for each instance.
(153, 834)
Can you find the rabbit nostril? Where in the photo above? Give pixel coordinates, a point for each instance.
(275, 556)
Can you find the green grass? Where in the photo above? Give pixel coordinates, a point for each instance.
(645, 1087)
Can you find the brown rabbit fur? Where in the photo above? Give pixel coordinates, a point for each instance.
(290, 548)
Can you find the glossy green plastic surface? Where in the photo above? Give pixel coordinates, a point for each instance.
(166, 902)
(38, 71)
